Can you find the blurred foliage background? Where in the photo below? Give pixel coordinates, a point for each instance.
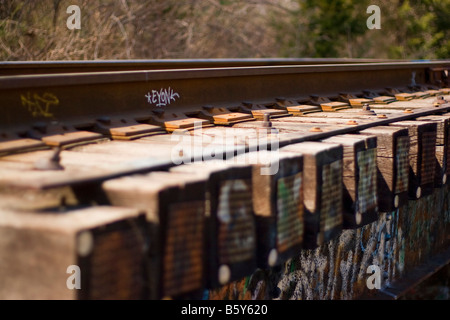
(172, 29)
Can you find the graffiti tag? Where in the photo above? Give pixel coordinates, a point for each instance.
(162, 98)
(39, 105)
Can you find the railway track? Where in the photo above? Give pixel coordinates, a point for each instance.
(164, 183)
(45, 67)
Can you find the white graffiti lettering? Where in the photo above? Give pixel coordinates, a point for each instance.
(162, 98)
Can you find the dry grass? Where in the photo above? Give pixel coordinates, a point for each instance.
(155, 29)
(132, 29)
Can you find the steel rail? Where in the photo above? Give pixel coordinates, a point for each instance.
(70, 98)
(46, 67)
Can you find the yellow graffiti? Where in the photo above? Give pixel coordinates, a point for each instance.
(39, 105)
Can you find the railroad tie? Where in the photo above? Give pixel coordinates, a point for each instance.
(277, 184)
(322, 165)
(422, 155)
(174, 205)
(360, 196)
(97, 250)
(392, 166)
(231, 233)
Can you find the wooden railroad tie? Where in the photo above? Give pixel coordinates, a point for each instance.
(231, 227)
(277, 182)
(322, 165)
(41, 250)
(422, 154)
(174, 205)
(392, 166)
(360, 197)
(442, 165)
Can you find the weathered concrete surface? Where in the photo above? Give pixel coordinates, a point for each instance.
(397, 243)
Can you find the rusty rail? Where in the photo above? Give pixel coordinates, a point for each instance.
(67, 97)
(46, 67)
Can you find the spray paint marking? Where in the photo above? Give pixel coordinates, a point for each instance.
(39, 105)
(162, 98)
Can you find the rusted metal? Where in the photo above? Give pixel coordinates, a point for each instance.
(59, 135)
(221, 116)
(46, 67)
(401, 288)
(266, 121)
(353, 100)
(124, 129)
(258, 111)
(401, 96)
(367, 111)
(328, 105)
(425, 89)
(18, 144)
(67, 98)
(440, 100)
(377, 98)
(174, 121)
